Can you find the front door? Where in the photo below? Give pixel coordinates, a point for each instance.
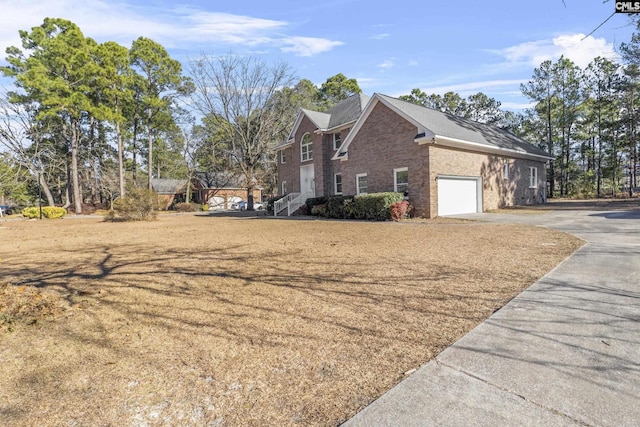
(307, 180)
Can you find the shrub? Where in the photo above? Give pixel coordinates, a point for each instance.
(337, 207)
(319, 210)
(139, 204)
(400, 210)
(375, 206)
(50, 212)
(314, 201)
(184, 207)
(31, 212)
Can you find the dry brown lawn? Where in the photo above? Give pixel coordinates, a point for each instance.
(224, 321)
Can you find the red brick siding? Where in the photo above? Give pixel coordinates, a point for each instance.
(386, 142)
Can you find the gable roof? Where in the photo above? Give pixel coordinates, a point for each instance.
(449, 130)
(168, 186)
(344, 112)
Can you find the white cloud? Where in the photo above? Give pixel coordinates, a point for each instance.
(472, 87)
(386, 64)
(580, 49)
(307, 46)
(413, 63)
(180, 27)
(381, 36)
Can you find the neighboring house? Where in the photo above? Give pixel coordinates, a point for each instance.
(169, 191)
(218, 190)
(445, 164)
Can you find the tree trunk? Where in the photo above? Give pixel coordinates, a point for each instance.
(552, 179)
(75, 183)
(45, 189)
(134, 149)
(150, 157)
(120, 157)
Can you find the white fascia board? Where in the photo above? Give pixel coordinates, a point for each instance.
(295, 125)
(459, 143)
(356, 127)
(283, 145)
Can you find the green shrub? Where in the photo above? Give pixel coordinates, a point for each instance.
(319, 210)
(375, 206)
(50, 212)
(139, 204)
(314, 201)
(337, 207)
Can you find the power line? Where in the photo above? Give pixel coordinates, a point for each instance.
(596, 29)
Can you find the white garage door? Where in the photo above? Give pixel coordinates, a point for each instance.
(457, 195)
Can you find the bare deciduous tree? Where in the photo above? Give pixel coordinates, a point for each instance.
(240, 96)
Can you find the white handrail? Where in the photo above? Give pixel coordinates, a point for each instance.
(291, 202)
(282, 203)
(295, 204)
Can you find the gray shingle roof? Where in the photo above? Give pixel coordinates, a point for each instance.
(450, 126)
(321, 120)
(168, 186)
(347, 110)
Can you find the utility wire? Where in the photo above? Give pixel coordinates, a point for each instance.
(596, 29)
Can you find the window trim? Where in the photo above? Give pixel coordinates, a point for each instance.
(395, 179)
(283, 159)
(533, 177)
(283, 188)
(337, 143)
(360, 175)
(335, 184)
(505, 171)
(309, 150)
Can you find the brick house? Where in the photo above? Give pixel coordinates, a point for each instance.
(445, 164)
(218, 190)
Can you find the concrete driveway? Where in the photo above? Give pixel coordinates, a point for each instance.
(566, 352)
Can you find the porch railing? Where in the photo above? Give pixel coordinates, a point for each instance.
(291, 202)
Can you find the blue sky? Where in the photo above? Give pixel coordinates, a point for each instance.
(390, 47)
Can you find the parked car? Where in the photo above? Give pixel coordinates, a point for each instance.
(5, 210)
(242, 206)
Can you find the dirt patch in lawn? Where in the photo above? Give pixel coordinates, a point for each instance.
(204, 320)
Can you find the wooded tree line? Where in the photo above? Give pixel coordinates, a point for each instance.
(87, 120)
(584, 118)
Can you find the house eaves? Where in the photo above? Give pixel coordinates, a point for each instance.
(319, 120)
(467, 145)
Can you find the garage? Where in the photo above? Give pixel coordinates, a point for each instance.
(459, 195)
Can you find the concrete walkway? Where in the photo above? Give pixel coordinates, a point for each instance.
(566, 352)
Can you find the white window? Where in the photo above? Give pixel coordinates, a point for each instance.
(283, 188)
(505, 171)
(306, 148)
(283, 159)
(337, 183)
(337, 140)
(533, 177)
(401, 180)
(361, 183)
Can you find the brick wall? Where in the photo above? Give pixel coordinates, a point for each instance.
(497, 192)
(386, 142)
(290, 171)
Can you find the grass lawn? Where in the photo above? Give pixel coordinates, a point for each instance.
(224, 321)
